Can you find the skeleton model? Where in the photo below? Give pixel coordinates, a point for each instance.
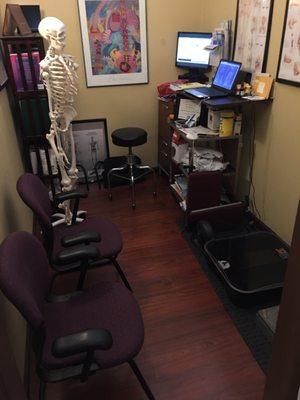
(58, 72)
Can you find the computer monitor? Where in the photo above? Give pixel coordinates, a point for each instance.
(190, 53)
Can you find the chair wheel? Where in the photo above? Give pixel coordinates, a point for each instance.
(133, 206)
(110, 196)
(154, 194)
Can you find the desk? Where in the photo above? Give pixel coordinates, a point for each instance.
(228, 102)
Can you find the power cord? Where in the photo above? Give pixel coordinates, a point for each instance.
(252, 156)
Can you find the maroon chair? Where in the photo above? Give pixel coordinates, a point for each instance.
(79, 333)
(100, 231)
(204, 191)
(204, 208)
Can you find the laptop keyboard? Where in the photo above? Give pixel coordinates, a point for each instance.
(210, 91)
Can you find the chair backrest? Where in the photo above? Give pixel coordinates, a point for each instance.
(204, 190)
(35, 195)
(24, 275)
(222, 218)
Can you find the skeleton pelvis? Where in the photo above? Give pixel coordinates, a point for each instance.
(65, 118)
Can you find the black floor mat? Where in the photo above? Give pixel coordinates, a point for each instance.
(245, 319)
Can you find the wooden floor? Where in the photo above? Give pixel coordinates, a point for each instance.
(192, 350)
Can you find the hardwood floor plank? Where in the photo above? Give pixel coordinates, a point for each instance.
(192, 350)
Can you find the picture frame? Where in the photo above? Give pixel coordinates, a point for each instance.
(252, 34)
(114, 40)
(3, 74)
(288, 69)
(91, 144)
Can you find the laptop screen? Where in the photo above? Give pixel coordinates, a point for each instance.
(226, 74)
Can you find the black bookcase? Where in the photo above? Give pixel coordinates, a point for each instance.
(28, 102)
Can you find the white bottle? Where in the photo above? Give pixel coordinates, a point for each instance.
(237, 124)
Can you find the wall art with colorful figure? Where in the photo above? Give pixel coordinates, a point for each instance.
(114, 41)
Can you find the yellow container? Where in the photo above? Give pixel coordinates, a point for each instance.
(226, 123)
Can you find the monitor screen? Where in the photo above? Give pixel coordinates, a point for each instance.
(226, 74)
(190, 50)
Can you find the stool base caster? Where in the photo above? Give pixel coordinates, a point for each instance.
(154, 194)
(110, 196)
(133, 206)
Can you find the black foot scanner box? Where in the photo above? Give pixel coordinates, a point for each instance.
(252, 266)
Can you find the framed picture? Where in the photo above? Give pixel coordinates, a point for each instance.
(91, 144)
(289, 59)
(3, 74)
(114, 41)
(252, 34)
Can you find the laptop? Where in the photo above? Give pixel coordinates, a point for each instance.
(223, 83)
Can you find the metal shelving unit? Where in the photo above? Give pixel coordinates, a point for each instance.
(231, 171)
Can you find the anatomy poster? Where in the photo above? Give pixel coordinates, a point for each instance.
(91, 144)
(289, 61)
(252, 30)
(114, 41)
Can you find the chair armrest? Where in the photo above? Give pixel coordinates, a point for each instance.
(81, 342)
(61, 298)
(73, 194)
(75, 254)
(84, 237)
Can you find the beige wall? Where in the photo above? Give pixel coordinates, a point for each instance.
(129, 105)
(13, 216)
(277, 161)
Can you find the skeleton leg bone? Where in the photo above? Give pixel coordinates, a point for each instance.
(73, 170)
(65, 180)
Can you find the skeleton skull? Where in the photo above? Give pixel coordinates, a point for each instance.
(53, 30)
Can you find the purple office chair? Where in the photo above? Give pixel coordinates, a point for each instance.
(100, 231)
(76, 334)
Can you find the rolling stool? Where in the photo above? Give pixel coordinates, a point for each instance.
(130, 137)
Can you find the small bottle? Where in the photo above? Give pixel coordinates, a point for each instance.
(242, 92)
(226, 123)
(238, 89)
(247, 89)
(237, 124)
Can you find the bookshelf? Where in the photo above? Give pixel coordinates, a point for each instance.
(29, 102)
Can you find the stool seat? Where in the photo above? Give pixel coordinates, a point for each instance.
(129, 137)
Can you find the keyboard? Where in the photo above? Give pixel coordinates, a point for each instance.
(211, 92)
(206, 92)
